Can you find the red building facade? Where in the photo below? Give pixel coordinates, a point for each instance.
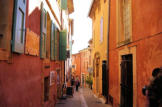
(81, 64)
(76, 68)
(85, 60)
(30, 71)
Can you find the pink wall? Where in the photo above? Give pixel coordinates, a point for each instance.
(20, 82)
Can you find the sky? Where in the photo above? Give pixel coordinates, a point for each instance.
(82, 25)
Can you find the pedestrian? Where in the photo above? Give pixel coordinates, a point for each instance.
(72, 81)
(154, 90)
(77, 84)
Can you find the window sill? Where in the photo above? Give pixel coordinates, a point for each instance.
(4, 55)
(122, 43)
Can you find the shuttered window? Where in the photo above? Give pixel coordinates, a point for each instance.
(57, 41)
(101, 29)
(43, 33)
(46, 88)
(126, 18)
(124, 22)
(62, 45)
(56, 45)
(64, 4)
(52, 41)
(19, 26)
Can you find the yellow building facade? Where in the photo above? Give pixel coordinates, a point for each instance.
(99, 15)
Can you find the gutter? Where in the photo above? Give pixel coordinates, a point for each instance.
(107, 68)
(53, 13)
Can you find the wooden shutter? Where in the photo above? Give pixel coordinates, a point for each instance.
(19, 26)
(62, 45)
(48, 37)
(101, 29)
(127, 18)
(64, 4)
(52, 41)
(56, 44)
(43, 33)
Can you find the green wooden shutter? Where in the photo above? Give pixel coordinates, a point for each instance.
(62, 45)
(70, 48)
(19, 26)
(56, 45)
(43, 33)
(64, 4)
(52, 41)
(57, 41)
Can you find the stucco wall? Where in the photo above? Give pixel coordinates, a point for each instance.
(22, 76)
(100, 10)
(146, 37)
(20, 82)
(77, 62)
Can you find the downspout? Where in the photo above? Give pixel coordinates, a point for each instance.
(107, 68)
(80, 69)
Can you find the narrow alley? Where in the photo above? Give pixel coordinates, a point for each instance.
(83, 98)
(111, 50)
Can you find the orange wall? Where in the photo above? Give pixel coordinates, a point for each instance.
(81, 62)
(76, 60)
(147, 37)
(85, 61)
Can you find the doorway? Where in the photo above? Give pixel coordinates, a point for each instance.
(126, 99)
(46, 88)
(104, 79)
(97, 74)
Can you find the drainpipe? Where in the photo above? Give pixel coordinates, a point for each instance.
(80, 68)
(108, 31)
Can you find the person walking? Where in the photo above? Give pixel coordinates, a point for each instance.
(153, 91)
(72, 84)
(72, 81)
(77, 83)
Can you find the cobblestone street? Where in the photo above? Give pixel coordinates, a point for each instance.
(83, 98)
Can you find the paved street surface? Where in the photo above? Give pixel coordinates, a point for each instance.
(82, 98)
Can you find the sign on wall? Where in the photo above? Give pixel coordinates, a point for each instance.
(52, 77)
(32, 43)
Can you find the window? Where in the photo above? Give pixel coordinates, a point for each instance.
(52, 41)
(44, 18)
(46, 88)
(19, 26)
(101, 29)
(73, 66)
(57, 44)
(62, 45)
(43, 32)
(124, 22)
